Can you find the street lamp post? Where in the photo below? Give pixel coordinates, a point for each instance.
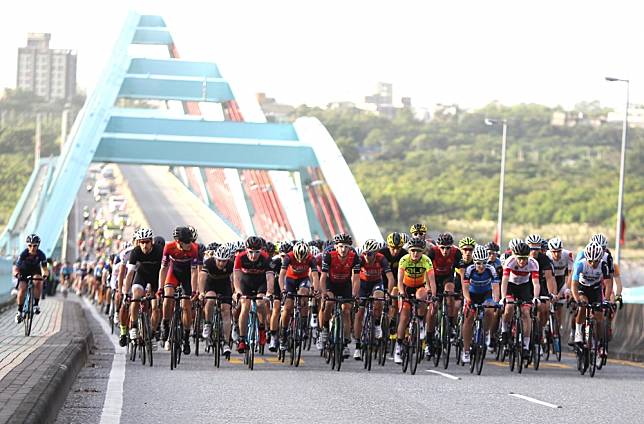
(499, 224)
(622, 161)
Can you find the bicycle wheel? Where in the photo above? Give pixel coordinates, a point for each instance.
(592, 352)
(519, 346)
(536, 345)
(172, 339)
(29, 316)
(252, 339)
(474, 346)
(197, 326)
(215, 338)
(111, 315)
(445, 341)
(299, 339)
(339, 342)
(511, 354)
(415, 347)
(480, 358)
(142, 353)
(148, 339)
(383, 343)
(404, 352)
(370, 342)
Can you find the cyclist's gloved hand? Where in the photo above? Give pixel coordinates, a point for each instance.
(535, 301)
(619, 299)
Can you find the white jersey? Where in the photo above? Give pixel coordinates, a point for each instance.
(521, 275)
(564, 264)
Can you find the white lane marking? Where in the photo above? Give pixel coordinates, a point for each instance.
(451, 377)
(533, 400)
(114, 394)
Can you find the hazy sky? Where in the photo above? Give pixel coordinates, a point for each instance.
(313, 52)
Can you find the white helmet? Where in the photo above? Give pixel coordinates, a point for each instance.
(300, 250)
(600, 239)
(480, 253)
(593, 252)
(314, 250)
(370, 245)
(143, 234)
(555, 244)
(533, 239)
(513, 243)
(222, 253)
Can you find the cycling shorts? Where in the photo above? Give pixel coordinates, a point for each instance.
(343, 290)
(595, 294)
(292, 285)
(368, 287)
(252, 288)
(221, 288)
(522, 292)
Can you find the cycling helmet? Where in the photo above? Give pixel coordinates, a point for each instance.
(300, 251)
(445, 239)
(593, 252)
(159, 241)
(466, 241)
(270, 248)
(370, 245)
(395, 240)
(212, 246)
(492, 247)
(143, 234)
(555, 243)
(254, 243)
(285, 247)
(418, 228)
(182, 234)
(513, 243)
(342, 238)
(240, 245)
(314, 250)
(533, 239)
(544, 244)
(33, 239)
(222, 253)
(480, 253)
(417, 243)
(194, 233)
(521, 249)
(600, 239)
(405, 238)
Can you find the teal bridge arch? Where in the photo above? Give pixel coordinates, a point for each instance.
(299, 157)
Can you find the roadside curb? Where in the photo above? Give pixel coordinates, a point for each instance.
(41, 406)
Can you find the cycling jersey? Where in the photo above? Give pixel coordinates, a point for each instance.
(498, 266)
(147, 266)
(373, 271)
(414, 272)
(562, 266)
(445, 265)
(181, 263)
(521, 275)
(587, 275)
(30, 264)
(218, 280)
(607, 258)
(393, 261)
(481, 282)
(275, 266)
(340, 269)
(296, 269)
(253, 273)
(545, 264)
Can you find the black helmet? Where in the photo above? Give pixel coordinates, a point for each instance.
(213, 246)
(395, 241)
(445, 239)
(285, 247)
(343, 238)
(159, 241)
(521, 249)
(417, 243)
(33, 239)
(492, 247)
(270, 248)
(254, 243)
(194, 233)
(182, 234)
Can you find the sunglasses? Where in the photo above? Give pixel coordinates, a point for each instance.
(593, 262)
(525, 258)
(417, 234)
(556, 251)
(468, 249)
(148, 241)
(479, 263)
(33, 245)
(444, 247)
(369, 253)
(254, 252)
(415, 251)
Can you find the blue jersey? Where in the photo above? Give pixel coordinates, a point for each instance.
(607, 258)
(481, 282)
(30, 264)
(588, 275)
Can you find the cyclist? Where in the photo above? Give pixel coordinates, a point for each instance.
(215, 279)
(589, 277)
(179, 266)
(547, 282)
(65, 276)
(372, 265)
(31, 262)
(445, 259)
(480, 285)
(495, 261)
(518, 271)
(276, 265)
(123, 315)
(562, 261)
(393, 252)
(420, 231)
(251, 276)
(415, 273)
(143, 270)
(298, 268)
(340, 277)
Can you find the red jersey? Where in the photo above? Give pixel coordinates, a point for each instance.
(373, 271)
(444, 265)
(180, 261)
(296, 269)
(340, 269)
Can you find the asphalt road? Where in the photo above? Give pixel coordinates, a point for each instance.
(276, 392)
